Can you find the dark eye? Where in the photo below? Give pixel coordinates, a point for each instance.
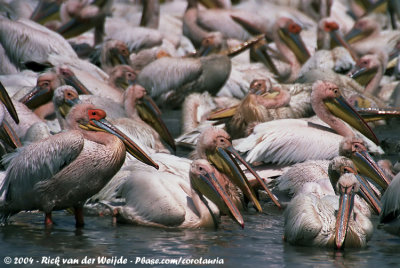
(44, 84)
(93, 113)
(356, 146)
(200, 168)
(335, 91)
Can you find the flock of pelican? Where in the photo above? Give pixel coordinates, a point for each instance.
(279, 104)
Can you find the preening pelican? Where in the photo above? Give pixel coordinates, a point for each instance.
(63, 170)
(329, 221)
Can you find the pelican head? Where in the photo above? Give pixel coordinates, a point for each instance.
(121, 76)
(341, 165)
(346, 187)
(257, 87)
(367, 67)
(289, 32)
(328, 102)
(331, 27)
(70, 79)
(203, 180)
(355, 149)
(48, 82)
(260, 86)
(89, 118)
(43, 91)
(65, 97)
(215, 145)
(214, 42)
(115, 52)
(362, 28)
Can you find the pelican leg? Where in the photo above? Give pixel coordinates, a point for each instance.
(79, 217)
(114, 216)
(47, 219)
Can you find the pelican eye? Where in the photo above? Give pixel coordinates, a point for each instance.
(44, 84)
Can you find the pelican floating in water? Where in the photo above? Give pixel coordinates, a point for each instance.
(313, 177)
(178, 195)
(63, 170)
(328, 221)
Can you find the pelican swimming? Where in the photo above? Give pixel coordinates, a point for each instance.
(313, 177)
(296, 140)
(62, 171)
(166, 198)
(329, 221)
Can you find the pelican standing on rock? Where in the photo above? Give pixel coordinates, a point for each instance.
(64, 170)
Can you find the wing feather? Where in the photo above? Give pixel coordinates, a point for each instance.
(40, 161)
(288, 141)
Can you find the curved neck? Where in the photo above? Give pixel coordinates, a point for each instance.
(206, 216)
(373, 85)
(103, 138)
(129, 104)
(295, 65)
(191, 29)
(325, 115)
(282, 99)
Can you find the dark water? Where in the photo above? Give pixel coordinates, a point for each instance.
(259, 244)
